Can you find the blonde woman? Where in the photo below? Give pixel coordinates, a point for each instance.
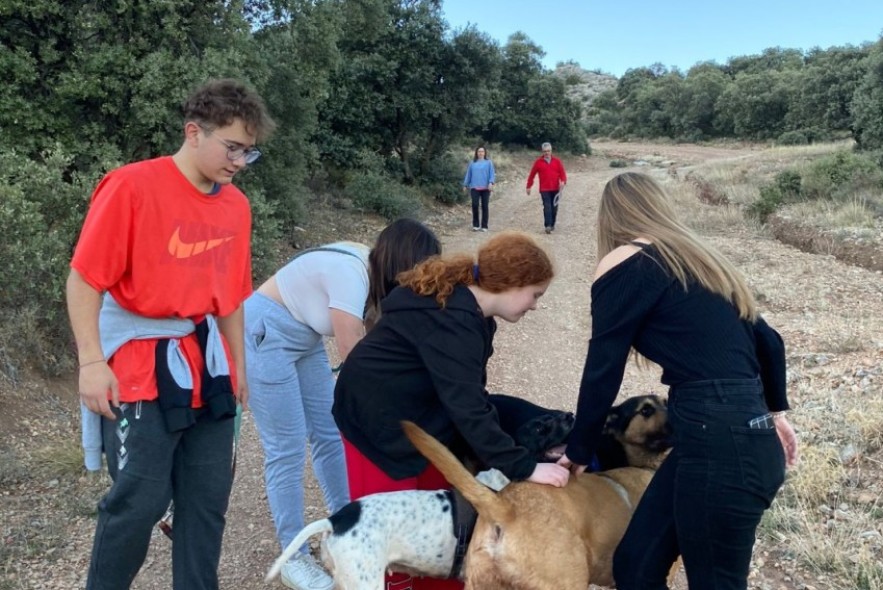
(676, 301)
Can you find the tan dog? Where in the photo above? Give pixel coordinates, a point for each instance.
(536, 537)
(636, 434)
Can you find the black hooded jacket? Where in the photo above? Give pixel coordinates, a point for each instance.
(425, 364)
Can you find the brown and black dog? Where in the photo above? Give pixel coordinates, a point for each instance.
(636, 434)
(533, 537)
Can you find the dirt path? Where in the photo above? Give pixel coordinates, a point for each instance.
(541, 357)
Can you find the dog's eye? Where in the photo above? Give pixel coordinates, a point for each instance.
(648, 411)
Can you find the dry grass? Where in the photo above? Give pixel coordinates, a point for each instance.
(867, 419)
(819, 477)
(59, 461)
(828, 519)
(822, 522)
(822, 535)
(704, 218)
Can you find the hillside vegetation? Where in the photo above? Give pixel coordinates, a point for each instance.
(379, 105)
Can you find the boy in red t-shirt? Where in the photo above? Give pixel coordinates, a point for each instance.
(166, 242)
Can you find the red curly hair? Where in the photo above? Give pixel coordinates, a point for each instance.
(508, 260)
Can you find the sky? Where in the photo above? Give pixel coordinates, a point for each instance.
(613, 36)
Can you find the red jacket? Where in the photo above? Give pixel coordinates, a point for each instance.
(551, 174)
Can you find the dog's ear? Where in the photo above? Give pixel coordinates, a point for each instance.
(613, 421)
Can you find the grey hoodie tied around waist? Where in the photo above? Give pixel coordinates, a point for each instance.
(118, 326)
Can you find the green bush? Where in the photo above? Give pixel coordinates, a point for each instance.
(618, 163)
(381, 194)
(447, 193)
(839, 176)
(42, 204)
(266, 230)
(442, 179)
(770, 199)
(789, 184)
(786, 188)
(793, 138)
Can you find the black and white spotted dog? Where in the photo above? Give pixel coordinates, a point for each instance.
(420, 532)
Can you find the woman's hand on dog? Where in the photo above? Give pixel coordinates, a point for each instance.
(550, 474)
(574, 468)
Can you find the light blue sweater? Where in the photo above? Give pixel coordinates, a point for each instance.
(480, 175)
(118, 326)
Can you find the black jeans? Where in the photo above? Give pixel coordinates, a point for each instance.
(482, 197)
(150, 467)
(707, 498)
(550, 209)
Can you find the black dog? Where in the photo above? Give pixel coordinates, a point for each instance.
(540, 430)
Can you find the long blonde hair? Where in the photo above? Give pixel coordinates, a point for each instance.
(634, 205)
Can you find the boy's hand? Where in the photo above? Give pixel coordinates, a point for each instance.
(94, 382)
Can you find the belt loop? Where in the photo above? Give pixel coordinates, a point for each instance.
(720, 390)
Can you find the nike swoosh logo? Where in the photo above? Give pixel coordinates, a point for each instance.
(181, 249)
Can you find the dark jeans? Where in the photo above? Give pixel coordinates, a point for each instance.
(550, 209)
(150, 467)
(707, 498)
(483, 197)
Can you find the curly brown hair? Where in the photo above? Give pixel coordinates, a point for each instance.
(509, 260)
(218, 102)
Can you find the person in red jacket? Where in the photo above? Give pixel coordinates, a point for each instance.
(552, 181)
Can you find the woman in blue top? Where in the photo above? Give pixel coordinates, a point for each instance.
(479, 181)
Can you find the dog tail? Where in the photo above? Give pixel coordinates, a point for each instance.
(486, 501)
(314, 528)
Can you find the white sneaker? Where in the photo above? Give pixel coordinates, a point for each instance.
(303, 573)
(475, 228)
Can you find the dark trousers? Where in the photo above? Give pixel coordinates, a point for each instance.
(707, 498)
(150, 467)
(482, 197)
(550, 208)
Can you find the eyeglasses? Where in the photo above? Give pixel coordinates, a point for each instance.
(234, 152)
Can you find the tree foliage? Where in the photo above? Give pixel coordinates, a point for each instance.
(368, 95)
(531, 104)
(782, 94)
(867, 103)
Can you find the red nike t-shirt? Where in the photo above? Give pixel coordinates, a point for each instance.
(164, 249)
